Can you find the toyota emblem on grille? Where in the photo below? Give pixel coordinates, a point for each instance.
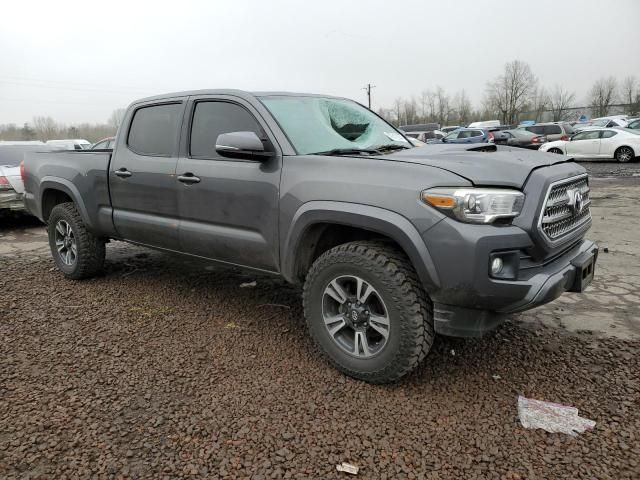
(576, 202)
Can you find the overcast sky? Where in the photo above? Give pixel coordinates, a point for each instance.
(78, 61)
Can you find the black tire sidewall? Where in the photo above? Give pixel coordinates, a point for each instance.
(57, 214)
(620, 150)
(378, 278)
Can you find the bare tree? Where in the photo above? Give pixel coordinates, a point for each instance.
(397, 108)
(560, 101)
(539, 102)
(411, 111)
(510, 92)
(630, 94)
(443, 106)
(45, 128)
(462, 106)
(115, 119)
(602, 95)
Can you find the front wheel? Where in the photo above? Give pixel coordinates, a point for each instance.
(76, 251)
(367, 311)
(624, 154)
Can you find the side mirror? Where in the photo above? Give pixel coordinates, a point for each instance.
(241, 145)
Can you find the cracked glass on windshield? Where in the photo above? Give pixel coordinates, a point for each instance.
(317, 124)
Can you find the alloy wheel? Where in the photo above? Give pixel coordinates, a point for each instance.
(66, 243)
(355, 316)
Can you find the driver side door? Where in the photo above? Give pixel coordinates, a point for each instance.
(228, 207)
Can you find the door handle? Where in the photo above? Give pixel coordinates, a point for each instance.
(123, 173)
(188, 178)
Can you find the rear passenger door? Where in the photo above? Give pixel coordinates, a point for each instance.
(230, 213)
(608, 143)
(552, 132)
(142, 179)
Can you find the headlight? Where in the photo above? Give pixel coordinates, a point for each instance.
(475, 205)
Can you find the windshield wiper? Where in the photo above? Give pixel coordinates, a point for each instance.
(390, 146)
(346, 151)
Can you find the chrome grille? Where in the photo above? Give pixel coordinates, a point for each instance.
(561, 213)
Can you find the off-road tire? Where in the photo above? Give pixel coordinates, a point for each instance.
(90, 249)
(410, 310)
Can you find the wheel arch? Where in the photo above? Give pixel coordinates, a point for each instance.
(54, 191)
(320, 225)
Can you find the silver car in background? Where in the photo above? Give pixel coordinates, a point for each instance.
(11, 185)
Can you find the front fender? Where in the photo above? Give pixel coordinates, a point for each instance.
(374, 219)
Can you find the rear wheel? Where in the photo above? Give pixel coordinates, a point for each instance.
(624, 154)
(555, 150)
(75, 250)
(367, 311)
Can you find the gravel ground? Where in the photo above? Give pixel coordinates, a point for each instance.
(159, 369)
(612, 169)
(166, 368)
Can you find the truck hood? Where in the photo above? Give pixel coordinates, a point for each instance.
(481, 164)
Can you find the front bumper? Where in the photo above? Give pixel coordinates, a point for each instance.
(11, 200)
(471, 302)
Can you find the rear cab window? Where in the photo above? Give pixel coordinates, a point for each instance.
(154, 130)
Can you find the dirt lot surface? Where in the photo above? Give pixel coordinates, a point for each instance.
(166, 368)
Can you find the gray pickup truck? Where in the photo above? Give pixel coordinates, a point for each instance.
(392, 243)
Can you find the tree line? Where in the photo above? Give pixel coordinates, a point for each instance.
(46, 128)
(512, 96)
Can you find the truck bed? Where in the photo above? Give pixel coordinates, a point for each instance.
(84, 176)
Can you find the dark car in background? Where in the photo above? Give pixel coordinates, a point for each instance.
(520, 138)
(552, 130)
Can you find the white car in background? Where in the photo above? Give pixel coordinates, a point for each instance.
(621, 144)
(70, 144)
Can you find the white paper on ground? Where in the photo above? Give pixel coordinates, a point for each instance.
(348, 468)
(551, 417)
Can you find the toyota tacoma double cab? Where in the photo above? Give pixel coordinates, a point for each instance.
(391, 243)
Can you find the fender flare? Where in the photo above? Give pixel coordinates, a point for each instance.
(367, 217)
(64, 185)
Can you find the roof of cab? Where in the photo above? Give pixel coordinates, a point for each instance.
(238, 93)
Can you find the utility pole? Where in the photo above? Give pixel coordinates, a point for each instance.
(368, 89)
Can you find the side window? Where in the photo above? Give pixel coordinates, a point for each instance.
(580, 136)
(537, 129)
(552, 130)
(452, 135)
(211, 119)
(110, 143)
(592, 135)
(475, 133)
(154, 130)
(608, 134)
(465, 134)
(100, 145)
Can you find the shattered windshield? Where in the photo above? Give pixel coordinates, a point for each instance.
(317, 124)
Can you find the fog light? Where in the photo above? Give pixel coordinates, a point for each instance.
(496, 266)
